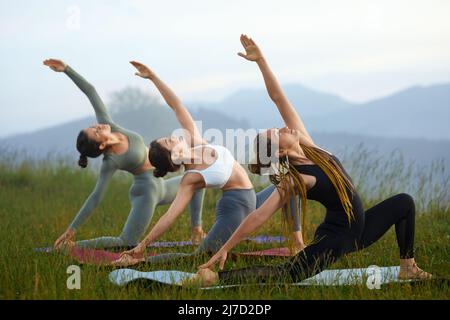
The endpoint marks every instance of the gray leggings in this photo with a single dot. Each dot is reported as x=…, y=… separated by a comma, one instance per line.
x=146, y=193
x=231, y=210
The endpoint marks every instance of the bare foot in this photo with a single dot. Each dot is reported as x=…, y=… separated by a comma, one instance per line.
x=297, y=248
x=413, y=272
x=299, y=245
x=197, y=235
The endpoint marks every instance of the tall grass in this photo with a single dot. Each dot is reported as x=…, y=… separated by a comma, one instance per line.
x=39, y=199
x=377, y=176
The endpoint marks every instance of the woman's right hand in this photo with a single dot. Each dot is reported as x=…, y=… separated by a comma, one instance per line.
x=137, y=251
x=130, y=257
x=143, y=70
x=252, y=51
x=55, y=65
x=220, y=257
x=126, y=260
x=64, y=239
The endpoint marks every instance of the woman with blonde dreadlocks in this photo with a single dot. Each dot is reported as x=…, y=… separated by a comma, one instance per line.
x=313, y=173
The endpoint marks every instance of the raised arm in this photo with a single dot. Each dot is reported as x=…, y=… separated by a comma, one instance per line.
x=181, y=112
x=88, y=89
x=290, y=116
x=250, y=224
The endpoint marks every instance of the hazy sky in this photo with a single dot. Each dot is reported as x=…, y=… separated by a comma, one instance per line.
x=358, y=49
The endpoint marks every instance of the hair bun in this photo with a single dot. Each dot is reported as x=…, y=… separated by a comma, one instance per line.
x=83, y=161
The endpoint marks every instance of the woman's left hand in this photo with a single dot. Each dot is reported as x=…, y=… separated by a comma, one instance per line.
x=55, y=65
x=143, y=70
x=252, y=51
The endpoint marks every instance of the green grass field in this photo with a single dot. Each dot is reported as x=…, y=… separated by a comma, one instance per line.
x=38, y=202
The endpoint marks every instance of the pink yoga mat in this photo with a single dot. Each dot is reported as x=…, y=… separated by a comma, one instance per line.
x=95, y=257
x=103, y=257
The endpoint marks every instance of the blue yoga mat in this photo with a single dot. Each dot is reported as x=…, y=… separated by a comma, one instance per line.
x=336, y=277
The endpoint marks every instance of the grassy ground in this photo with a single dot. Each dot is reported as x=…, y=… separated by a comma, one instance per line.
x=37, y=202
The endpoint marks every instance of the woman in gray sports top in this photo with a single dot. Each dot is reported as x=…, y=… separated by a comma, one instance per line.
x=122, y=149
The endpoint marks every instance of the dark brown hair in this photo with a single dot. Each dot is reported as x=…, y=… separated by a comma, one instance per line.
x=87, y=148
x=161, y=159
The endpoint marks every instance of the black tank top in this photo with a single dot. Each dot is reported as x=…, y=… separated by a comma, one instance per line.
x=324, y=192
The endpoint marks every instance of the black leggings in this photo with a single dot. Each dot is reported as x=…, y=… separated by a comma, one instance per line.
x=332, y=242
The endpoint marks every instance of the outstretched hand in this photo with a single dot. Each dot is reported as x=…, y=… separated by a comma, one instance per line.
x=130, y=257
x=127, y=260
x=65, y=240
x=252, y=51
x=143, y=70
x=220, y=257
x=55, y=65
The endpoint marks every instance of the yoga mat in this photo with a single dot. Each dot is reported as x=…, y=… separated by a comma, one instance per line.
x=258, y=239
x=95, y=257
x=272, y=252
x=44, y=249
x=170, y=244
x=266, y=239
x=103, y=257
x=336, y=277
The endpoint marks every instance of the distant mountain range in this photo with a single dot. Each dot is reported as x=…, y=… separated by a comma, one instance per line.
x=151, y=120
x=256, y=107
x=406, y=120
x=417, y=112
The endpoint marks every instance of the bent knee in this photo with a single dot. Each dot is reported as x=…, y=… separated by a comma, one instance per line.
x=210, y=246
x=407, y=199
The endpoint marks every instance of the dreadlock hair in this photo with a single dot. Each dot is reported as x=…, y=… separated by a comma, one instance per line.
x=289, y=181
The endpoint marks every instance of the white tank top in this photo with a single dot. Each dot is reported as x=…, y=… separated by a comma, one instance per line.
x=218, y=173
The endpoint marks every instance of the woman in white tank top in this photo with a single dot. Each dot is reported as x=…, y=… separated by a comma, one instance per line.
x=206, y=166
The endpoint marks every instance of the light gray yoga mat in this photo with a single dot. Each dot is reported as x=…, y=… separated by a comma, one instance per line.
x=336, y=277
